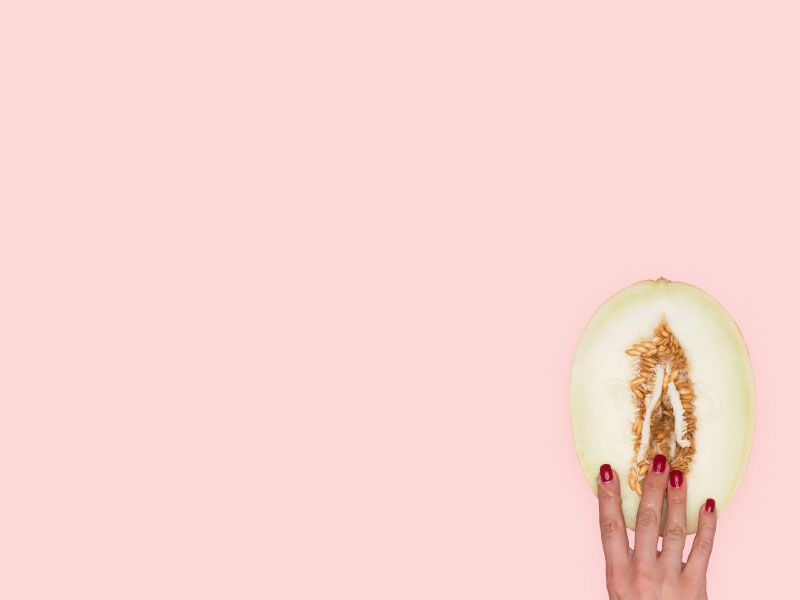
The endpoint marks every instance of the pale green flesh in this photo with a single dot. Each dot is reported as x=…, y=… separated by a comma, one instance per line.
x=601, y=403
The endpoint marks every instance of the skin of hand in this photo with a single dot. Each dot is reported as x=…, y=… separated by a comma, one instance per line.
x=644, y=573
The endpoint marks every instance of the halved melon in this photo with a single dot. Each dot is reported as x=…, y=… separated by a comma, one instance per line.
x=662, y=369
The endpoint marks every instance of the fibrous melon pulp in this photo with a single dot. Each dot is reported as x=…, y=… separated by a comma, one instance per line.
x=662, y=369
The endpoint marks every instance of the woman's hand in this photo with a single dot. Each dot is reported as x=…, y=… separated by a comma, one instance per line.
x=644, y=573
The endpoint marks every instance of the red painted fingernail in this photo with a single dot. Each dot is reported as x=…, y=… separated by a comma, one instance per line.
x=676, y=478
x=710, y=505
x=606, y=474
x=659, y=463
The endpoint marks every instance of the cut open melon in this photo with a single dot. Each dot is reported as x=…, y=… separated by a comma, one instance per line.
x=662, y=369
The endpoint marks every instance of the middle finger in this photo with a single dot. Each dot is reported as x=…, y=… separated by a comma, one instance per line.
x=648, y=518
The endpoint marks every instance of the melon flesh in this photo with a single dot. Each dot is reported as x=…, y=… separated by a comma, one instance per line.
x=603, y=407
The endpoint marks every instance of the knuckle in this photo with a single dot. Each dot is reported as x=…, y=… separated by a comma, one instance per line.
x=608, y=495
x=612, y=574
x=614, y=585
x=609, y=526
x=653, y=485
x=676, y=499
x=674, y=531
x=704, y=545
x=695, y=580
x=644, y=578
x=616, y=580
x=646, y=518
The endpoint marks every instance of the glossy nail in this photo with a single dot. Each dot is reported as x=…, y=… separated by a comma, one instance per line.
x=606, y=474
x=710, y=505
x=676, y=478
x=659, y=463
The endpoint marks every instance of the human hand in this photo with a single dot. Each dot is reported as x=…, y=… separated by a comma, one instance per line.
x=644, y=573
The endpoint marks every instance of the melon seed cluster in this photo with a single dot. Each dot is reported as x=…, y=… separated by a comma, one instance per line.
x=669, y=410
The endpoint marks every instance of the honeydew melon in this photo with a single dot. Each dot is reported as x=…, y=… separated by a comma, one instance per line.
x=662, y=368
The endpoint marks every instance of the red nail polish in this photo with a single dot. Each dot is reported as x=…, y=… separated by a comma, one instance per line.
x=676, y=478
x=659, y=463
x=710, y=505
x=606, y=474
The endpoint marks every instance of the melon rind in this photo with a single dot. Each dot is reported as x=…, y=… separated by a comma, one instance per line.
x=601, y=403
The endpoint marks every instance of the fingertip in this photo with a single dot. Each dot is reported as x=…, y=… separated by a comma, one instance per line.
x=708, y=512
x=707, y=519
x=608, y=486
x=676, y=480
x=659, y=464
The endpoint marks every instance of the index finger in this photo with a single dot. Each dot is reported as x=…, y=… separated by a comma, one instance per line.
x=612, y=523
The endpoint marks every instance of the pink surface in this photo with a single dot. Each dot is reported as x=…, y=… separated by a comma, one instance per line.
x=289, y=294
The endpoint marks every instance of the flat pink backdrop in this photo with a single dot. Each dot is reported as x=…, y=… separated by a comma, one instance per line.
x=290, y=289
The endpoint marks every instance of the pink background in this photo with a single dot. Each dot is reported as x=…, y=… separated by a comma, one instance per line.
x=290, y=290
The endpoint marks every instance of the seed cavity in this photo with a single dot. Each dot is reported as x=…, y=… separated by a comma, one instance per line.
x=663, y=395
